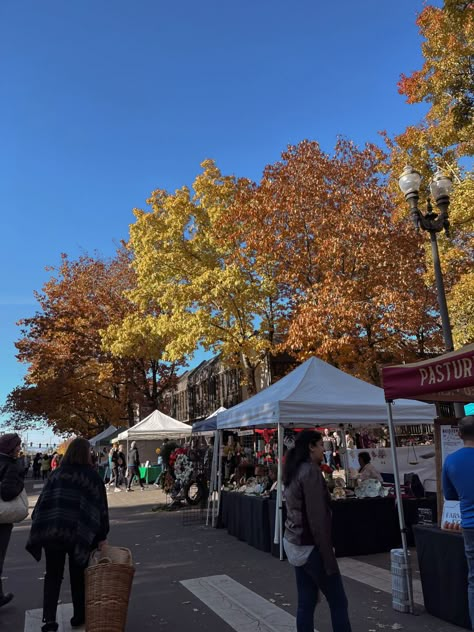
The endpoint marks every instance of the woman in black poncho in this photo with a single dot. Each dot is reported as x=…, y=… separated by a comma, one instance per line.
x=70, y=518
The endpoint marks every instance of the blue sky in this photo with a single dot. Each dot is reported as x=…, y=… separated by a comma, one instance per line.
x=102, y=102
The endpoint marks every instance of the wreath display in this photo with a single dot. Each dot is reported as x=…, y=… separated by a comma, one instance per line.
x=183, y=469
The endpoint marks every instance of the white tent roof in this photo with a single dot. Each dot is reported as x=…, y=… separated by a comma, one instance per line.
x=216, y=412
x=108, y=432
x=317, y=393
x=156, y=426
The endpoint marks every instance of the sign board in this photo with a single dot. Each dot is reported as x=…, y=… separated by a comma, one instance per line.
x=469, y=409
x=425, y=516
x=451, y=520
x=450, y=441
x=245, y=433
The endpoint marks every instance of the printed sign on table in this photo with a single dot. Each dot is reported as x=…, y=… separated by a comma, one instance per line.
x=451, y=520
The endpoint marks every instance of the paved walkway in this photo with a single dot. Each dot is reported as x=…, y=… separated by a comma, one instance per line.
x=181, y=565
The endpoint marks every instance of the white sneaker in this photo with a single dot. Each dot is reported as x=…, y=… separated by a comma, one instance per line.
x=117, y=489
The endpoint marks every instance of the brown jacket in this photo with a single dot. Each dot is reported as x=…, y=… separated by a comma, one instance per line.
x=309, y=513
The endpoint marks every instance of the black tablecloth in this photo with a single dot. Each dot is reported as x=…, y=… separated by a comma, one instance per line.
x=410, y=509
x=360, y=527
x=443, y=570
x=365, y=526
x=246, y=517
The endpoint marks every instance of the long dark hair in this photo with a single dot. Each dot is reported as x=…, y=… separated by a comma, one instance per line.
x=77, y=453
x=299, y=454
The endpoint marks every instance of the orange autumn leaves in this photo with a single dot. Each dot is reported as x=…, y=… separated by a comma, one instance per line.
x=353, y=278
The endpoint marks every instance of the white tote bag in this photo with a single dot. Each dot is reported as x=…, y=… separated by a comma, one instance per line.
x=14, y=510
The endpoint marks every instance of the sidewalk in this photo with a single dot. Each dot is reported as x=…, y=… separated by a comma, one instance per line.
x=176, y=564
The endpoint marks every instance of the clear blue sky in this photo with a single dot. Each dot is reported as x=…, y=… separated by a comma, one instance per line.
x=101, y=102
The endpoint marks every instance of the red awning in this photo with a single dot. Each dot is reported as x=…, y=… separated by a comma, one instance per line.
x=446, y=378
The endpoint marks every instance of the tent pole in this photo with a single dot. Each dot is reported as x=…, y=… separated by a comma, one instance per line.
x=278, y=539
x=219, y=475
x=401, y=515
x=212, y=481
x=346, y=456
x=276, y=533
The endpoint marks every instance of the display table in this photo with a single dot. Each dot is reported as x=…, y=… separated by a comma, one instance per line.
x=365, y=526
x=246, y=518
x=150, y=474
x=360, y=527
x=443, y=570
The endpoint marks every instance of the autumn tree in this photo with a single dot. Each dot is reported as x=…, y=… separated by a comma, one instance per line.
x=352, y=278
x=195, y=280
x=445, y=137
x=72, y=382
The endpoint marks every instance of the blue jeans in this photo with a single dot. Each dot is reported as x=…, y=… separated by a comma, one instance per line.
x=469, y=549
x=310, y=579
x=329, y=458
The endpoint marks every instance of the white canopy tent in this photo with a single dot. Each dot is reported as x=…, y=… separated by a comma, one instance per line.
x=156, y=426
x=102, y=436
x=317, y=393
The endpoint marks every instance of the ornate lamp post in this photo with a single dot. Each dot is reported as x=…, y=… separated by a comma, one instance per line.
x=441, y=186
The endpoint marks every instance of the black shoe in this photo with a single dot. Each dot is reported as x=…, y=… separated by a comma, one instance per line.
x=6, y=598
x=50, y=626
x=76, y=622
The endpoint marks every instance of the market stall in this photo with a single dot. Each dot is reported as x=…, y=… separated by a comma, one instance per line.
x=317, y=394
x=156, y=427
x=446, y=378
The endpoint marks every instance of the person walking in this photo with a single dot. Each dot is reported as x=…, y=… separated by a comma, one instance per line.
x=37, y=466
x=54, y=461
x=133, y=466
x=114, y=466
x=307, y=541
x=329, y=448
x=11, y=485
x=71, y=519
x=458, y=484
x=45, y=466
x=122, y=466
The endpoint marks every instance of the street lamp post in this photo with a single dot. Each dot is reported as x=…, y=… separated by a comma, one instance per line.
x=441, y=186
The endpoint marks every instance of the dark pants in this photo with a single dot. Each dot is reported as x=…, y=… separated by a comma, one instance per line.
x=469, y=549
x=55, y=559
x=132, y=472
x=123, y=475
x=310, y=579
x=5, y=533
x=115, y=480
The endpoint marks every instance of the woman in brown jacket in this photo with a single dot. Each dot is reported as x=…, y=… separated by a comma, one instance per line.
x=307, y=541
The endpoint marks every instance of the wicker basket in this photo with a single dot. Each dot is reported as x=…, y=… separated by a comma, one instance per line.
x=109, y=579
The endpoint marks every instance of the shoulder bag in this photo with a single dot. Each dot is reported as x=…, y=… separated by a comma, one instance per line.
x=14, y=510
